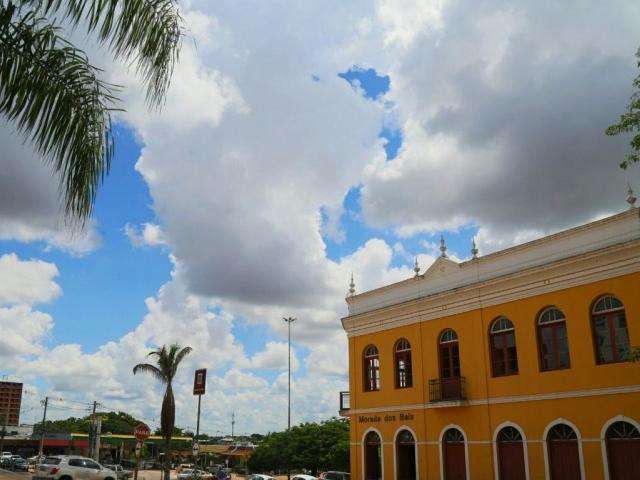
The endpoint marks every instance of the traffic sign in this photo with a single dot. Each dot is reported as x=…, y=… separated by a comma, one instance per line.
x=141, y=432
x=200, y=381
x=196, y=449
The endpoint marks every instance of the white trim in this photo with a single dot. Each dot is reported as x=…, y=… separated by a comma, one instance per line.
x=496, y=467
x=603, y=439
x=364, y=435
x=545, y=447
x=595, y=392
x=395, y=451
x=466, y=449
x=609, y=262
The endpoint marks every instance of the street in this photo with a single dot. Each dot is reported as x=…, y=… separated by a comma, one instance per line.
x=9, y=475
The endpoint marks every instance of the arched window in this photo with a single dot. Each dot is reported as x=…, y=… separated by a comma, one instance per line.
x=553, y=343
x=373, y=456
x=610, y=335
x=405, y=456
x=511, y=461
x=563, y=453
x=502, y=340
x=623, y=451
x=371, y=369
x=449, y=354
x=404, y=378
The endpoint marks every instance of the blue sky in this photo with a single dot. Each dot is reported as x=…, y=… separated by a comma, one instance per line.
x=402, y=122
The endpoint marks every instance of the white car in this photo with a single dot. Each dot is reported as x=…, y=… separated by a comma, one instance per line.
x=259, y=476
x=302, y=476
x=71, y=467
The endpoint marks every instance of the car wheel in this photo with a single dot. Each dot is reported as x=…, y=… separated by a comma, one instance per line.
x=65, y=477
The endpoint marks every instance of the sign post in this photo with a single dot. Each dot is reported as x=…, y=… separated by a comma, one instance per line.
x=141, y=432
x=199, y=387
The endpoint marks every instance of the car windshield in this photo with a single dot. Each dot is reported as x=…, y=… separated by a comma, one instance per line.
x=51, y=461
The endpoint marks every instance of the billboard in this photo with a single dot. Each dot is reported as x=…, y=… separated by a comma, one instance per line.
x=200, y=381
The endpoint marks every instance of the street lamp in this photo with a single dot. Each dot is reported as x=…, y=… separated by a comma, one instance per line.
x=289, y=321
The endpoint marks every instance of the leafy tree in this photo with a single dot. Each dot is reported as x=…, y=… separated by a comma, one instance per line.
x=630, y=122
x=310, y=446
x=56, y=97
x=167, y=362
x=112, y=422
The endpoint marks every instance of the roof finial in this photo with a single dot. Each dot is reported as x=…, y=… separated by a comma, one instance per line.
x=631, y=199
x=474, y=247
x=416, y=267
x=352, y=287
x=443, y=247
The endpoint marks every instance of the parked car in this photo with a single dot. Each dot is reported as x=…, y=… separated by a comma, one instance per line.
x=302, y=476
x=334, y=475
x=19, y=465
x=71, y=467
x=260, y=476
x=121, y=472
x=5, y=459
x=184, y=466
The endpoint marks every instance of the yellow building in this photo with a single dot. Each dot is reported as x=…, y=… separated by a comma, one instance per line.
x=512, y=365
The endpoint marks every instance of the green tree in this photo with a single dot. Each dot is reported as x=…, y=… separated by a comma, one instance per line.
x=56, y=97
x=311, y=446
x=167, y=362
x=629, y=122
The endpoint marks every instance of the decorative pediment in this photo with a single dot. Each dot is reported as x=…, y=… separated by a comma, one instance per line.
x=442, y=266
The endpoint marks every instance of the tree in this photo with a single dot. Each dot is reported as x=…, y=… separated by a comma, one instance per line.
x=167, y=362
x=55, y=96
x=630, y=122
x=310, y=446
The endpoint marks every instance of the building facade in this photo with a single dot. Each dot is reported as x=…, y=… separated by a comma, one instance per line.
x=513, y=365
x=10, y=403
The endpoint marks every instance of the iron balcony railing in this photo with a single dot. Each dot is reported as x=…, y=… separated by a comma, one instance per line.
x=345, y=401
x=447, y=389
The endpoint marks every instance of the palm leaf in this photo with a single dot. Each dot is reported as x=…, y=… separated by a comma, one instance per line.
x=151, y=369
x=53, y=94
x=148, y=31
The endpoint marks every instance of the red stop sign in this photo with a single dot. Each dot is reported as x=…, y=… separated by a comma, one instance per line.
x=141, y=432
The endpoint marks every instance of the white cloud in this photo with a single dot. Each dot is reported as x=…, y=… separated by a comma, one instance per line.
x=23, y=330
x=27, y=281
x=149, y=234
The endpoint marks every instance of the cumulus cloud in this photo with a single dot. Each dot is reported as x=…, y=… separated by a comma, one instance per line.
x=506, y=103
x=148, y=234
x=27, y=281
x=23, y=331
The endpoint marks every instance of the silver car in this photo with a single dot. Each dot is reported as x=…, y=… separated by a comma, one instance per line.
x=71, y=467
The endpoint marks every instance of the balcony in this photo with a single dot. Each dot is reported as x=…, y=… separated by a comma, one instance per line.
x=345, y=403
x=447, y=392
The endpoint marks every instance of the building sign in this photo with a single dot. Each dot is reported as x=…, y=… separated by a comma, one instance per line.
x=200, y=381
x=390, y=417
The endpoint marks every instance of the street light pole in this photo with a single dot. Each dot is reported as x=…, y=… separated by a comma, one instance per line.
x=289, y=321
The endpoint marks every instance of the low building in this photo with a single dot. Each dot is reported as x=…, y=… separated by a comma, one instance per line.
x=513, y=365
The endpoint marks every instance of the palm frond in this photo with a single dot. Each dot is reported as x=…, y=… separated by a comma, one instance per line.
x=179, y=357
x=147, y=31
x=151, y=369
x=53, y=94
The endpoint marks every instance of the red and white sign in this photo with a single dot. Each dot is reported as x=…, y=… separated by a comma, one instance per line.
x=141, y=432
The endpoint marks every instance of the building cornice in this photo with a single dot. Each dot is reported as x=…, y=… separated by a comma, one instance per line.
x=588, y=267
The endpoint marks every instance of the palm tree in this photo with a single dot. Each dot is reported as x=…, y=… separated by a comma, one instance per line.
x=167, y=361
x=55, y=97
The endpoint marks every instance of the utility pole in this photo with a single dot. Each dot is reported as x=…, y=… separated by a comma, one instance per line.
x=44, y=419
x=233, y=423
x=92, y=430
x=289, y=321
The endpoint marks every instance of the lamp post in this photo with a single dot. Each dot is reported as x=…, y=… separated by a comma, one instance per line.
x=289, y=321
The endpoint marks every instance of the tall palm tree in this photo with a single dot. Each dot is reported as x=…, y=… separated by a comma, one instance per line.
x=55, y=97
x=167, y=361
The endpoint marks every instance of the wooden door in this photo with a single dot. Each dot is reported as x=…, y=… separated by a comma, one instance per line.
x=564, y=459
x=511, y=460
x=455, y=467
x=373, y=467
x=624, y=458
